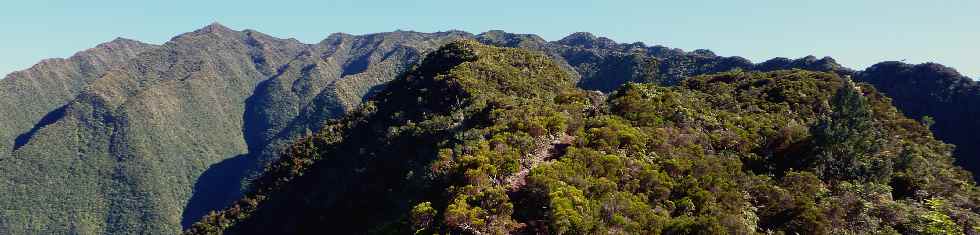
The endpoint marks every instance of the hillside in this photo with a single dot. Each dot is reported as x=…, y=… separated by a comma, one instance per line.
x=45, y=87
x=129, y=137
x=480, y=139
x=951, y=100
x=605, y=65
x=180, y=125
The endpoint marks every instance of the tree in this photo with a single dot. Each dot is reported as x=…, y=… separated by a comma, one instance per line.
x=845, y=143
x=422, y=216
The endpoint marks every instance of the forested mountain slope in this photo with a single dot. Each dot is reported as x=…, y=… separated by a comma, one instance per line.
x=951, y=100
x=605, y=65
x=182, y=124
x=480, y=139
x=129, y=137
x=28, y=95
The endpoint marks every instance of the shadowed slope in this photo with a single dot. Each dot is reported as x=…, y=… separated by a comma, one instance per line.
x=28, y=95
x=148, y=131
x=130, y=148
x=485, y=140
x=950, y=99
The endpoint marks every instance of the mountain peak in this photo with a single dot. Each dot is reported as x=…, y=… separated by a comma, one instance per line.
x=579, y=36
x=587, y=40
x=334, y=38
x=214, y=27
x=704, y=52
x=809, y=59
x=122, y=39
x=502, y=38
x=119, y=42
x=899, y=67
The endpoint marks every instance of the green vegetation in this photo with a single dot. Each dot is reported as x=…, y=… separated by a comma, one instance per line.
x=151, y=138
x=847, y=140
x=135, y=138
x=938, y=95
x=485, y=140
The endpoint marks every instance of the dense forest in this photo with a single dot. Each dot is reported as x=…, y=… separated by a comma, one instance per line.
x=478, y=139
x=130, y=137
x=950, y=101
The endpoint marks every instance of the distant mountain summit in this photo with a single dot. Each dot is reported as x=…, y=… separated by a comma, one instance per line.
x=129, y=137
x=479, y=139
x=171, y=132
x=587, y=40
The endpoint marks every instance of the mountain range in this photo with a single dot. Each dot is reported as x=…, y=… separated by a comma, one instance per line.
x=129, y=137
x=479, y=139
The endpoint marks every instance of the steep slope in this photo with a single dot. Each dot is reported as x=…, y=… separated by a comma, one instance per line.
x=486, y=140
x=367, y=180
x=303, y=95
x=130, y=137
x=27, y=96
x=950, y=99
x=192, y=117
x=116, y=161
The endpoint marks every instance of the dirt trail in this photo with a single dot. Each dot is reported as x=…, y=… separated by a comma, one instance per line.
x=548, y=149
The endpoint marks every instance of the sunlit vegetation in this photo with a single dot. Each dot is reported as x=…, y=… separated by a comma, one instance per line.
x=135, y=138
x=938, y=95
x=485, y=140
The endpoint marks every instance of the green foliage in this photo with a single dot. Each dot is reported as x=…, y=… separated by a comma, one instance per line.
x=131, y=138
x=484, y=140
x=940, y=93
x=847, y=140
x=935, y=220
x=476, y=139
x=422, y=216
x=928, y=121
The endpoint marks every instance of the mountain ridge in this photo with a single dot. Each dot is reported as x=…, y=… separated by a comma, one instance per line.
x=479, y=139
x=201, y=78
x=171, y=132
x=53, y=82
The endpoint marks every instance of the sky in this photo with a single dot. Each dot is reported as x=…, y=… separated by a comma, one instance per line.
x=858, y=33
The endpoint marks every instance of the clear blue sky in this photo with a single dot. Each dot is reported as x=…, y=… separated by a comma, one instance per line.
x=857, y=33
